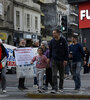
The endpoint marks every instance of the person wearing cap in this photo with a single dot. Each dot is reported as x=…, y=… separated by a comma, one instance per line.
x=59, y=56
x=77, y=53
x=3, y=54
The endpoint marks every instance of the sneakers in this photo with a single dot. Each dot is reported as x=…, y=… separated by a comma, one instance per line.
x=40, y=91
x=35, y=86
x=61, y=90
x=53, y=91
x=78, y=89
x=4, y=91
x=45, y=88
x=25, y=88
x=22, y=88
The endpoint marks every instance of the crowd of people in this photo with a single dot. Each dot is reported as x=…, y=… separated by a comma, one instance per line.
x=53, y=57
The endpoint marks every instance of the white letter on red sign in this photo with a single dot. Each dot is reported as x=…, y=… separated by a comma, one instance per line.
x=82, y=14
x=87, y=14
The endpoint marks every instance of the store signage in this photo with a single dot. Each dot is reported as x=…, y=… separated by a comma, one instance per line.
x=84, y=15
x=3, y=36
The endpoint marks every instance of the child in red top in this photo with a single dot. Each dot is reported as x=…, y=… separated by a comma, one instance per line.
x=41, y=62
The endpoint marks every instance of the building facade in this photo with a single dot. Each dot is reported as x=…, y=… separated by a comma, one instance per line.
x=53, y=10
x=27, y=18
x=84, y=32
x=6, y=21
x=72, y=18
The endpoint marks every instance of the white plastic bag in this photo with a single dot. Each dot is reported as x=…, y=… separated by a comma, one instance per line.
x=25, y=71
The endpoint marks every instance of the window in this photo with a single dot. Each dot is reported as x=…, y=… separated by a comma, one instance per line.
x=8, y=14
x=17, y=18
x=28, y=20
x=36, y=22
x=31, y=20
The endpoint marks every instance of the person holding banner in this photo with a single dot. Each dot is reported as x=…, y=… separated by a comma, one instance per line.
x=3, y=60
x=22, y=79
x=41, y=62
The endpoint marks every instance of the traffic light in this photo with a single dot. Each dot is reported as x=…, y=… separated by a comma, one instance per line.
x=64, y=23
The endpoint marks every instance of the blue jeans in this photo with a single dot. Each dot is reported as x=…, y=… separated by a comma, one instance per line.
x=67, y=69
x=76, y=68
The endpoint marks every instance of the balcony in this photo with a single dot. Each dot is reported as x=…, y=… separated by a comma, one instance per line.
x=42, y=26
x=73, y=23
x=74, y=13
x=38, y=1
x=42, y=14
x=77, y=1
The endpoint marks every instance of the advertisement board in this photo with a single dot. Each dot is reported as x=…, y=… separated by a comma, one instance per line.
x=84, y=15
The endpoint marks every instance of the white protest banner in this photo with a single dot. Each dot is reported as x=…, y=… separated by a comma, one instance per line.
x=23, y=58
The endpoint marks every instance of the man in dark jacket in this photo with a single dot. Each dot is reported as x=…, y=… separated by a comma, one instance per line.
x=59, y=55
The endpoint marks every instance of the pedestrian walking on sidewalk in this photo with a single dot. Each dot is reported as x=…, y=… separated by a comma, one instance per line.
x=41, y=62
x=77, y=54
x=3, y=54
x=59, y=56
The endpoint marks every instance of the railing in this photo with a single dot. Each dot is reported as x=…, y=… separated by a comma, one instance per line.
x=74, y=23
x=76, y=1
x=38, y=1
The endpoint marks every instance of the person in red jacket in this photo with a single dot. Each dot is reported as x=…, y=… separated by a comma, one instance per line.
x=3, y=54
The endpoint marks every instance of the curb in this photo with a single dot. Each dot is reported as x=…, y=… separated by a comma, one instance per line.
x=45, y=96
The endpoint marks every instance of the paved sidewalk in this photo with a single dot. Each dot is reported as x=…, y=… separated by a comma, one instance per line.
x=68, y=91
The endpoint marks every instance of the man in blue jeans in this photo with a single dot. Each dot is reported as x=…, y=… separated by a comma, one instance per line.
x=76, y=53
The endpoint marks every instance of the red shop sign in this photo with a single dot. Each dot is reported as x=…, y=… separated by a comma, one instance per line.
x=84, y=15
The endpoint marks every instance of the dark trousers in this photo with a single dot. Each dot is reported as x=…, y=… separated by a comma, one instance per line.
x=86, y=69
x=35, y=81
x=48, y=76
x=21, y=82
x=57, y=66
